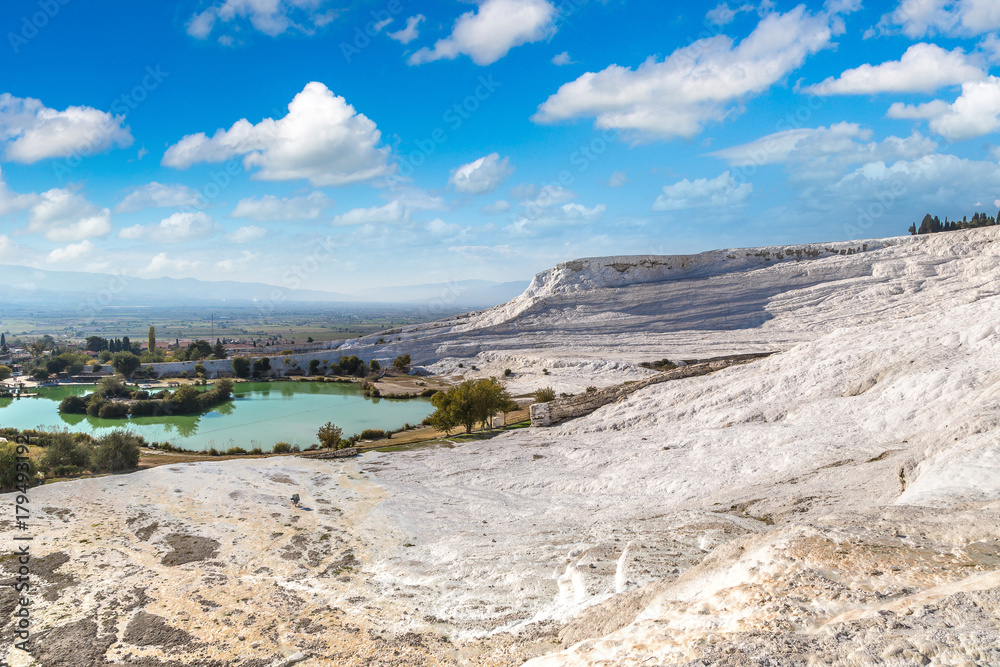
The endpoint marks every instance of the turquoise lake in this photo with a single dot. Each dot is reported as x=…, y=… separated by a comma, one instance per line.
x=261, y=414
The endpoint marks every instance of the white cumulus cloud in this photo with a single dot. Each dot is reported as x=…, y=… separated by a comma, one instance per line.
x=64, y=215
x=482, y=175
x=158, y=195
x=322, y=139
x=185, y=226
x=247, y=234
x=410, y=32
x=489, y=33
x=923, y=69
x=918, y=18
x=271, y=17
x=824, y=152
x=696, y=84
x=71, y=252
x=975, y=113
x=30, y=131
x=270, y=208
x=388, y=214
x=722, y=190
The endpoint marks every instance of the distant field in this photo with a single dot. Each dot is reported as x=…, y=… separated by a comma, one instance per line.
x=322, y=323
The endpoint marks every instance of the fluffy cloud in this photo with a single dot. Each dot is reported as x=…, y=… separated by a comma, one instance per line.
x=158, y=195
x=824, y=152
x=499, y=206
x=918, y=18
x=722, y=190
x=975, y=113
x=8, y=248
x=923, y=69
x=30, y=131
x=322, y=139
x=696, y=84
x=388, y=214
x=410, y=32
x=562, y=59
x=271, y=17
x=723, y=15
x=11, y=201
x=64, y=216
x=71, y=252
x=186, y=226
x=573, y=214
x=247, y=234
x=482, y=175
x=486, y=35
x=934, y=182
x=617, y=179
x=161, y=265
x=269, y=208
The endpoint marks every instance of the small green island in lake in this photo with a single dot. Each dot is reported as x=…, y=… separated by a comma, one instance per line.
x=114, y=400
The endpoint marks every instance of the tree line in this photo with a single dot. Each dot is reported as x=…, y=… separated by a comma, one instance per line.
x=932, y=224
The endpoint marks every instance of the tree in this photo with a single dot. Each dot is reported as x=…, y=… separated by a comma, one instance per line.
x=96, y=343
x=444, y=418
x=151, y=338
x=313, y=366
x=3, y=342
x=470, y=403
x=261, y=366
x=241, y=367
x=926, y=224
x=219, y=350
x=224, y=389
x=186, y=397
x=5, y=372
x=374, y=366
x=125, y=363
x=402, y=361
x=913, y=229
x=329, y=435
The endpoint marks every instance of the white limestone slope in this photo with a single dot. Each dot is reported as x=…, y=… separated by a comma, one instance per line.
x=851, y=480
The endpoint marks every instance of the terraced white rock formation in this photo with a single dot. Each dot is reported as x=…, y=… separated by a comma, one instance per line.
x=837, y=503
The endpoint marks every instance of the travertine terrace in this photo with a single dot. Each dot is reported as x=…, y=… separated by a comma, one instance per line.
x=837, y=503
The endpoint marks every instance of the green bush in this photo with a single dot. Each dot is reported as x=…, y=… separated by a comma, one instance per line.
x=282, y=448
x=73, y=405
x=371, y=434
x=235, y=451
x=62, y=451
x=506, y=372
x=10, y=476
x=545, y=395
x=116, y=451
x=427, y=393
x=113, y=410
x=95, y=404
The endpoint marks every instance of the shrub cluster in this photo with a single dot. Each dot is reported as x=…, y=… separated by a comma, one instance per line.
x=114, y=400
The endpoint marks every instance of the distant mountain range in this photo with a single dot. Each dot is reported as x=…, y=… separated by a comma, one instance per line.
x=21, y=285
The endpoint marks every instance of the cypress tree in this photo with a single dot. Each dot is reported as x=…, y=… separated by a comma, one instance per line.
x=3, y=341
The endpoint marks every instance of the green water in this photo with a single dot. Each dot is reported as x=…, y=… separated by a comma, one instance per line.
x=261, y=414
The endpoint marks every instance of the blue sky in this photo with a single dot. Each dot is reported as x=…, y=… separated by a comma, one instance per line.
x=391, y=142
